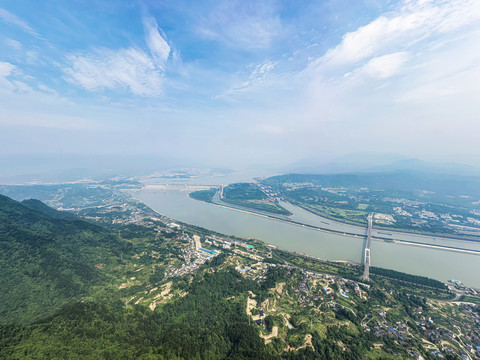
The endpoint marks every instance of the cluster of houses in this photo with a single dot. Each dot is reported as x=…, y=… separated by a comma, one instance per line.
x=225, y=243
x=383, y=328
x=194, y=257
x=255, y=271
x=472, y=338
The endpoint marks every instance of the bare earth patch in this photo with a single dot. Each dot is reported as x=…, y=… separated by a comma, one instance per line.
x=268, y=338
x=250, y=305
x=308, y=342
x=279, y=288
x=138, y=301
x=165, y=295
x=167, y=288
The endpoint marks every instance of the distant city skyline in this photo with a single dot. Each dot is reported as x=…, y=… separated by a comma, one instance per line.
x=240, y=83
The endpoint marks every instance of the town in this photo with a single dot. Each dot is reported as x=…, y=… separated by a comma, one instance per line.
x=299, y=300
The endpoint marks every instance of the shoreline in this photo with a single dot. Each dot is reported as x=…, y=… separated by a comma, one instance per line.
x=317, y=228
x=438, y=247
x=454, y=252
x=393, y=230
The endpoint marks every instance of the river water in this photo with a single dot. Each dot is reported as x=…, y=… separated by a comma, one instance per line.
x=174, y=202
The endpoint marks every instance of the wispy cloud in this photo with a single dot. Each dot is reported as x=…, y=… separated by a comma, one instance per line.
x=18, y=89
x=158, y=46
x=405, y=36
x=12, y=19
x=242, y=24
x=386, y=65
x=414, y=21
x=130, y=69
x=17, y=45
x=6, y=70
x=318, y=76
x=258, y=75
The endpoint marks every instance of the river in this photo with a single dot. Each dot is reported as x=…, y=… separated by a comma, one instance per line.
x=174, y=202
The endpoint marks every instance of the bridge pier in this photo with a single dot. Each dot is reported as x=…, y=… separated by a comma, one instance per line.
x=366, y=255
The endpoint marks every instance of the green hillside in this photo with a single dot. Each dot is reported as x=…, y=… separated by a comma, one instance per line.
x=201, y=325
x=73, y=290
x=37, y=205
x=47, y=261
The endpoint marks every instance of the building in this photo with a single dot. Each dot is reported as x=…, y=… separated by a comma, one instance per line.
x=211, y=252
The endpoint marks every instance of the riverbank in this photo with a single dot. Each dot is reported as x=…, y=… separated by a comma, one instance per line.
x=445, y=248
x=390, y=229
x=327, y=230
x=175, y=203
x=273, y=217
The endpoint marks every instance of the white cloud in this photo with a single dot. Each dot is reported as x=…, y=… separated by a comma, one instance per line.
x=13, y=44
x=102, y=69
x=397, y=78
x=6, y=68
x=414, y=21
x=158, y=46
x=239, y=24
x=262, y=69
x=18, y=89
x=452, y=71
x=385, y=66
x=258, y=76
x=12, y=19
x=130, y=69
x=413, y=33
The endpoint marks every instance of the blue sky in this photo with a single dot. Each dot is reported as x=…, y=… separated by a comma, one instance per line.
x=240, y=82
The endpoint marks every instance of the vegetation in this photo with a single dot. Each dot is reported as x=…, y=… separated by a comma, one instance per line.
x=47, y=261
x=404, y=201
x=204, y=195
x=249, y=195
x=74, y=289
x=243, y=191
x=415, y=279
x=471, y=299
x=201, y=325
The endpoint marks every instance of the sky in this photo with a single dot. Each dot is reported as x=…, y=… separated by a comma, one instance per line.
x=240, y=83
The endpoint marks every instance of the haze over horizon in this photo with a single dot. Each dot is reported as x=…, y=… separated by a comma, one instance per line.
x=240, y=83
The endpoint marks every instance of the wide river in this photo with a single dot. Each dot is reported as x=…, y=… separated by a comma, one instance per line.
x=174, y=202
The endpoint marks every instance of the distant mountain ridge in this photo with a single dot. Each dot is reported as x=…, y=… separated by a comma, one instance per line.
x=345, y=164
x=371, y=162
x=420, y=166
x=450, y=185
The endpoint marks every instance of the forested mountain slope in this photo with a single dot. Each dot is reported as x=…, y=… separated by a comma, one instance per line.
x=47, y=261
